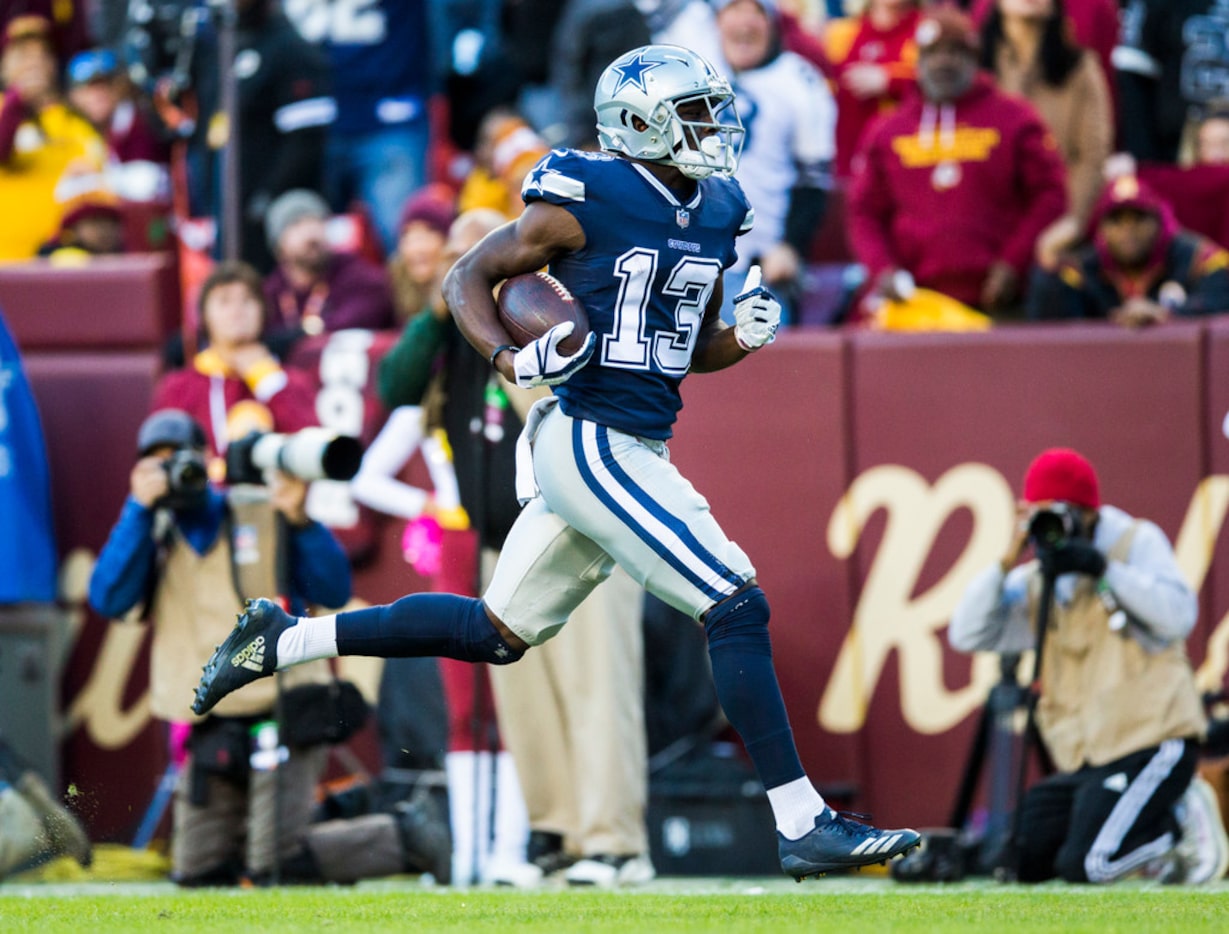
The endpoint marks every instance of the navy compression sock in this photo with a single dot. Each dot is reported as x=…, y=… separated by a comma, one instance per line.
x=741, y=653
x=424, y=624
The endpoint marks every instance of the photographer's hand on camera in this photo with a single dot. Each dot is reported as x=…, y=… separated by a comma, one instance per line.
x=248, y=359
x=1019, y=538
x=1073, y=556
x=148, y=481
x=289, y=497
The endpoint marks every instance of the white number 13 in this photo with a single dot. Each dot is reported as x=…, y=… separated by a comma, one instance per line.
x=627, y=345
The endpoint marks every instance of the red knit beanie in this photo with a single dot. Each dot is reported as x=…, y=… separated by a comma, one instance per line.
x=1062, y=474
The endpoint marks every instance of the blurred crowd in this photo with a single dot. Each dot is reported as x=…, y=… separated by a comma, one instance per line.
x=873, y=125
x=912, y=165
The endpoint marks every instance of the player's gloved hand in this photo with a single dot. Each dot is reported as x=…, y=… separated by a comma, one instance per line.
x=543, y=364
x=1073, y=556
x=757, y=314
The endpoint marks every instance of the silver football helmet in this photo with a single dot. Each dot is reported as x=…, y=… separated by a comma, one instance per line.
x=638, y=99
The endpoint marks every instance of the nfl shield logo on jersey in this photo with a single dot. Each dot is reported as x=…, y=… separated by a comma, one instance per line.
x=682, y=217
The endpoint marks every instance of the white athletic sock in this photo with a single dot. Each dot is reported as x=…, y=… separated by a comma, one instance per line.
x=795, y=805
x=313, y=637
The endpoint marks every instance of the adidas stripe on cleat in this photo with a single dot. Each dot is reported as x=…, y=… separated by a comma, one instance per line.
x=838, y=843
x=248, y=653
x=252, y=655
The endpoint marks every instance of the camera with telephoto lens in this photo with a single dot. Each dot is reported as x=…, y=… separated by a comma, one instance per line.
x=1050, y=527
x=309, y=454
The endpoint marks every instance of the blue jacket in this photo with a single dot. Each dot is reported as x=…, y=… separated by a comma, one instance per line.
x=319, y=569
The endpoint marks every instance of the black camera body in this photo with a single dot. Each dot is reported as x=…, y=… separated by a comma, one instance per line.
x=308, y=454
x=187, y=477
x=1054, y=525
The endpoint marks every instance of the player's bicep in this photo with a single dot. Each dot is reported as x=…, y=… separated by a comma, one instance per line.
x=541, y=234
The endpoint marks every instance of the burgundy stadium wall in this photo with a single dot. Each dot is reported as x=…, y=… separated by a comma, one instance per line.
x=868, y=476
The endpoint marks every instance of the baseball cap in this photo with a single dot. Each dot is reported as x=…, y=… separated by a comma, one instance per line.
x=1063, y=475
x=290, y=207
x=768, y=6
x=431, y=206
x=169, y=428
x=27, y=26
x=92, y=65
x=946, y=24
x=92, y=204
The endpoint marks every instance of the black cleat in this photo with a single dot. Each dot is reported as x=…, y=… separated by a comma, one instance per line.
x=248, y=653
x=838, y=843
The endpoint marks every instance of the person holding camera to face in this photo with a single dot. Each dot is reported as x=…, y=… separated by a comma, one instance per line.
x=1118, y=710
x=189, y=553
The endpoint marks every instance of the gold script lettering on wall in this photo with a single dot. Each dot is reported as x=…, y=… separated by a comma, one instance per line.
x=888, y=616
x=1194, y=547
x=98, y=705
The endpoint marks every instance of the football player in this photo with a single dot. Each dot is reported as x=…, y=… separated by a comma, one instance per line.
x=640, y=232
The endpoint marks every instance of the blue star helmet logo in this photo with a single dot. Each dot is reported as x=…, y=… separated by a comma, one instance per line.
x=632, y=71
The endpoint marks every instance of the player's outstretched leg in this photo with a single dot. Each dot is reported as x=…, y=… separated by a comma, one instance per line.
x=812, y=838
x=837, y=843
x=421, y=624
x=248, y=653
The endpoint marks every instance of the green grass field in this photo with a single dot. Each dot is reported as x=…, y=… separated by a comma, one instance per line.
x=730, y=906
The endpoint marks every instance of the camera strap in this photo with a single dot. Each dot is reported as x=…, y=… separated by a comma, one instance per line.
x=255, y=536
x=163, y=529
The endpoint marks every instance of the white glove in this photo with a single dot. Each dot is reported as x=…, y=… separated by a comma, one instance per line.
x=541, y=363
x=757, y=314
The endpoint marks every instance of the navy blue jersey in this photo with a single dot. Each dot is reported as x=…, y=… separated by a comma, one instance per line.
x=380, y=54
x=644, y=276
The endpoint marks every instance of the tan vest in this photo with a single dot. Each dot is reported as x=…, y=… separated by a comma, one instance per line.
x=195, y=606
x=1103, y=695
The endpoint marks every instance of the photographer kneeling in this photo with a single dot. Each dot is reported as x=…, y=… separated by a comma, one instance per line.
x=1118, y=710
x=189, y=554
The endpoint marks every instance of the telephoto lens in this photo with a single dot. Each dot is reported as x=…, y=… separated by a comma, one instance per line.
x=1051, y=527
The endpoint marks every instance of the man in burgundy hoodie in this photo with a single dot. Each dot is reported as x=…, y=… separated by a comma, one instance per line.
x=953, y=188
x=314, y=289
x=1140, y=268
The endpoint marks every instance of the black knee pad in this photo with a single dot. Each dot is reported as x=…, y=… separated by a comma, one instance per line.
x=740, y=620
x=480, y=641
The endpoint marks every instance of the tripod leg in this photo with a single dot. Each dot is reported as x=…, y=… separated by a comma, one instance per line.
x=972, y=770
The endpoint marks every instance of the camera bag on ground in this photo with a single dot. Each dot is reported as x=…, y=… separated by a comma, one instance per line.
x=318, y=714
x=414, y=838
x=220, y=746
x=945, y=855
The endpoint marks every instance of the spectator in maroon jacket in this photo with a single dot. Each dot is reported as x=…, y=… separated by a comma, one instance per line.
x=99, y=90
x=137, y=152
x=1141, y=268
x=958, y=182
x=873, y=67
x=312, y=289
x=235, y=385
x=93, y=225
x=68, y=22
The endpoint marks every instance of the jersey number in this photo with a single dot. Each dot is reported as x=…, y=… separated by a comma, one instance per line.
x=344, y=22
x=630, y=345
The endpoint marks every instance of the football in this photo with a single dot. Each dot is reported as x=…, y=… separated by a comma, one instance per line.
x=533, y=303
